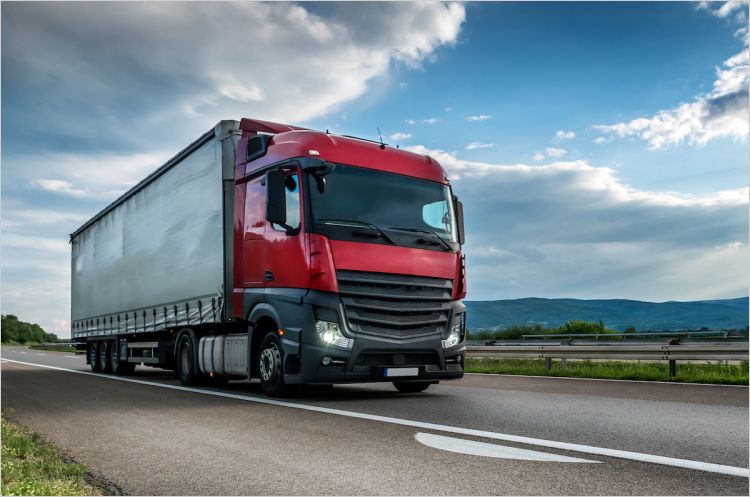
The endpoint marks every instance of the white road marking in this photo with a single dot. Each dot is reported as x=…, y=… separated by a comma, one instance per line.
x=72, y=356
x=23, y=351
x=572, y=447
x=40, y=354
x=474, y=448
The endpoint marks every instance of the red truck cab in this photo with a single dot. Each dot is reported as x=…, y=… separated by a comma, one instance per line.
x=352, y=249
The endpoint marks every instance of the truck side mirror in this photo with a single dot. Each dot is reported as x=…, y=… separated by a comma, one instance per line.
x=276, y=197
x=459, y=220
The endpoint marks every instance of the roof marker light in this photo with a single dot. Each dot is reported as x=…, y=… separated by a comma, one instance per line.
x=313, y=152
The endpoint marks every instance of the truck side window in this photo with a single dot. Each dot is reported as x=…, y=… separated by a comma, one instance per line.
x=255, y=202
x=292, y=202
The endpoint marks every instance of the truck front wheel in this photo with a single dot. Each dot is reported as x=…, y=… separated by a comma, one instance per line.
x=270, y=366
x=93, y=355
x=186, y=361
x=411, y=386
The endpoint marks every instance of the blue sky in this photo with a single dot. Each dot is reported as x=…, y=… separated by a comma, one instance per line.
x=600, y=148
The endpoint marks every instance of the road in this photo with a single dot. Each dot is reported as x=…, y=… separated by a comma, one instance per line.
x=489, y=434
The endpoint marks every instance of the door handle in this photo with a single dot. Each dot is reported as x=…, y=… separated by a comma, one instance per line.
x=268, y=275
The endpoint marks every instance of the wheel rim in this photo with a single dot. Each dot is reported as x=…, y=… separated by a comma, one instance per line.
x=270, y=363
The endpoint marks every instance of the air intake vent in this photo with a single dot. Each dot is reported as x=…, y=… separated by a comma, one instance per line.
x=394, y=305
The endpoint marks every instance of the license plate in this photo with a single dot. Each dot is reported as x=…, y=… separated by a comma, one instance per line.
x=390, y=372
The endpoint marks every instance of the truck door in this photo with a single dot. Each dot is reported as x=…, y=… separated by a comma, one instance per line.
x=285, y=263
x=253, y=250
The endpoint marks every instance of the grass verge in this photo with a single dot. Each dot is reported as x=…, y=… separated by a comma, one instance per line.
x=52, y=349
x=31, y=466
x=730, y=374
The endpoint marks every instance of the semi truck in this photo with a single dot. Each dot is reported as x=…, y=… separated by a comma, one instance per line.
x=273, y=252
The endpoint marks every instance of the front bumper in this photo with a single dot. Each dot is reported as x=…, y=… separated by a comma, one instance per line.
x=371, y=358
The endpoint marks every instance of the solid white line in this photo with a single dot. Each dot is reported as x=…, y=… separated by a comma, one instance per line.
x=587, y=449
x=474, y=448
x=40, y=354
x=609, y=379
x=72, y=356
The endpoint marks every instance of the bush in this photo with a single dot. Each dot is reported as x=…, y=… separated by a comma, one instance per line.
x=17, y=331
x=515, y=332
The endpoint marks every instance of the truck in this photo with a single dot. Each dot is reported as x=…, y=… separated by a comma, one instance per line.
x=274, y=252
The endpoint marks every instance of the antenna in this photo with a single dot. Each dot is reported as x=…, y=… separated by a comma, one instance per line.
x=382, y=145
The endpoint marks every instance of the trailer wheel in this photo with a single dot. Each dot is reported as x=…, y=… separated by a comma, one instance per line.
x=93, y=355
x=105, y=366
x=185, y=359
x=411, y=386
x=118, y=366
x=270, y=361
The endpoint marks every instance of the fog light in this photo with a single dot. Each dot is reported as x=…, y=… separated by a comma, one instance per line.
x=454, y=338
x=326, y=361
x=330, y=334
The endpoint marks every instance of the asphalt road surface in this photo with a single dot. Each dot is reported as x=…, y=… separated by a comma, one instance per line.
x=492, y=434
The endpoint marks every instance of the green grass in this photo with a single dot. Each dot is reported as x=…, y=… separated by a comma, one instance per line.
x=732, y=374
x=68, y=349
x=31, y=466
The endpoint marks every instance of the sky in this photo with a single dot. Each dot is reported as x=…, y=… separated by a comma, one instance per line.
x=600, y=149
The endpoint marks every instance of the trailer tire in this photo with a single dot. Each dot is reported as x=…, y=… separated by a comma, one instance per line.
x=270, y=366
x=411, y=386
x=185, y=361
x=92, y=350
x=105, y=365
x=119, y=367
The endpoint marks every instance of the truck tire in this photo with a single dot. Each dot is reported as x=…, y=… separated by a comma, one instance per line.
x=411, y=386
x=105, y=366
x=270, y=366
x=185, y=361
x=92, y=350
x=118, y=366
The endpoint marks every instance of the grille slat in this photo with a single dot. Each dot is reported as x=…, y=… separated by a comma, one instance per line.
x=394, y=305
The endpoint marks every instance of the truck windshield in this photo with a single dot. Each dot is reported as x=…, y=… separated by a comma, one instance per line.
x=389, y=205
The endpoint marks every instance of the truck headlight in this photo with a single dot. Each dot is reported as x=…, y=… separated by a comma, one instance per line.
x=330, y=334
x=454, y=338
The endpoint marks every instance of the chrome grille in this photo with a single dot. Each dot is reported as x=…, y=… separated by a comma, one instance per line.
x=395, y=305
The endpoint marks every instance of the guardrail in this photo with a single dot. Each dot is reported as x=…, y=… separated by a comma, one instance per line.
x=730, y=351
x=636, y=335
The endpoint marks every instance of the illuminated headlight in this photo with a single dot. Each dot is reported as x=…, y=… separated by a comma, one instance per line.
x=454, y=338
x=330, y=334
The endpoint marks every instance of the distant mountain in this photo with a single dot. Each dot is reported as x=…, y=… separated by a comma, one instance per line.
x=616, y=314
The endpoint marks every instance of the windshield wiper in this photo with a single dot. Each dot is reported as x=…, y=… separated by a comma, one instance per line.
x=362, y=224
x=431, y=232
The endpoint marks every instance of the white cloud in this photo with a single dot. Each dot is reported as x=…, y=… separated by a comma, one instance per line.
x=410, y=121
x=561, y=135
x=599, y=140
x=61, y=186
x=725, y=9
x=403, y=85
x=431, y=120
x=400, y=136
x=148, y=66
x=573, y=229
x=539, y=156
x=448, y=109
x=723, y=112
x=478, y=118
x=476, y=145
x=555, y=152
